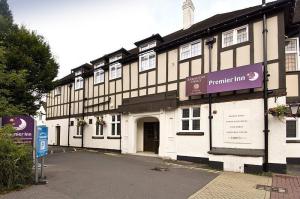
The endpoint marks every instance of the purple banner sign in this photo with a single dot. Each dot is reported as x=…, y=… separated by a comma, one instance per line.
x=24, y=126
x=243, y=77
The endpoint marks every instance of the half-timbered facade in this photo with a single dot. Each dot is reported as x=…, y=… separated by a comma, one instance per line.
x=135, y=100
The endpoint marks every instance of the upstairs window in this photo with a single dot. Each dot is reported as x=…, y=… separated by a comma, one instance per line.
x=98, y=76
x=147, y=61
x=115, y=71
x=190, y=50
x=235, y=36
x=57, y=91
x=190, y=119
x=78, y=83
x=116, y=125
x=292, y=54
x=148, y=46
x=77, y=73
x=115, y=58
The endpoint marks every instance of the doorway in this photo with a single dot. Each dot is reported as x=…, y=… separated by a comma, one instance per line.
x=58, y=135
x=151, y=137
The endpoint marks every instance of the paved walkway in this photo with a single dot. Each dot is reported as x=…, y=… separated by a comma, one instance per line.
x=230, y=185
x=290, y=183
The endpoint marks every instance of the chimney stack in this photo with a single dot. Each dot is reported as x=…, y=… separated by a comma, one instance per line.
x=188, y=13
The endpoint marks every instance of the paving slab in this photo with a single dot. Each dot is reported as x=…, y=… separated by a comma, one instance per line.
x=231, y=185
x=291, y=185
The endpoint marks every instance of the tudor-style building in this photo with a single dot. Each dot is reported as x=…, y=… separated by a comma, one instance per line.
x=136, y=100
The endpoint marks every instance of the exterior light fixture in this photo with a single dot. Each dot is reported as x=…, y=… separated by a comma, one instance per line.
x=294, y=109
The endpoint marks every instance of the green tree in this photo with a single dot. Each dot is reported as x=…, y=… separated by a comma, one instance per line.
x=29, y=55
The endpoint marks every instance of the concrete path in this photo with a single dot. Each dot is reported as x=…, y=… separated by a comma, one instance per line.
x=234, y=186
x=94, y=175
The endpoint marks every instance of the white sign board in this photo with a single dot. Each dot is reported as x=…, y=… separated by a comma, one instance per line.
x=236, y=125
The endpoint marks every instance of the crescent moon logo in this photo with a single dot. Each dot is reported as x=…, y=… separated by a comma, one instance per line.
x=22, y=126
x=252, y=76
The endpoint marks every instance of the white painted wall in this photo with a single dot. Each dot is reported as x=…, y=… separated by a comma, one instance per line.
x=293, y=149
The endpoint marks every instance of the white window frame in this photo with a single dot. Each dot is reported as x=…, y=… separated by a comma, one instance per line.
x=101, y=76
x=98, y=65
x=115, y=58
x=189, y=46
x=100, y=128
x=297, y=128
x=297, y=51
x=147, y=54
x=80, y=86
x=235, y=30
x=116, y=122
x=190, y=119
x=57, y=91
x=147, y=46
x=115, y=75
x=79, y=130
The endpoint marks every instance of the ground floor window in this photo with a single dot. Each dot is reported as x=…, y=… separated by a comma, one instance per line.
x=291, y=128
x=79, y=129
x=190, y=119
x=116, y=125
x=99, y=126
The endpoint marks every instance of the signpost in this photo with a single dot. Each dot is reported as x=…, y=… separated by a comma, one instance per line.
x=243, y=77
x=41, y=146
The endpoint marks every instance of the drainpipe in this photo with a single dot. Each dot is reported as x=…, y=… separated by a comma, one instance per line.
x=210, y=42
x=70, y=90
x=266, y=77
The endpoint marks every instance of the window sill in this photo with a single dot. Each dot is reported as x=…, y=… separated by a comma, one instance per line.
x=293, y=141
x=96, y=84
x=115, y=79
x=235, y=46
x=190, y=133
x=148, y=70
x=78, y=89
x=190, y=59
x=98, y=137
x=77, y=136
x=113, y=137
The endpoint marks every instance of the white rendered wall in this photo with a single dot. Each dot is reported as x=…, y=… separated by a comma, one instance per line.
x=293, y=149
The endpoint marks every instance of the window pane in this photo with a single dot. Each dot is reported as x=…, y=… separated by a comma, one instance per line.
x=118, y=129
x=291, y=45
x=113, y=73
x=113, y=129
x=185, y=52
x=101, y=129
x=196, y=49
x=241, y=35
x=291, y=61
x=196, y=124
x=144, y=63
x=228, y=38
x=97, y=129
x=119, y=72
x=185, y=124
x=119, y=117
x=196, y=112
x=113, y=118
x=185, y=113
x=152, y=61
x=291, y=129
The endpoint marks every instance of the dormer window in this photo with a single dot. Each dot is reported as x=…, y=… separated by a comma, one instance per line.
x=99, y=65
x=115, y=58
x=98, y=76
x=57, y=91
x=235, y=36
x=78, y=83
x=147, y=46
x=147, y=61
x=115, y=71
x=190, y=50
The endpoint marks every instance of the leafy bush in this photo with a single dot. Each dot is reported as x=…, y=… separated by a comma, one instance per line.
x=15, y=161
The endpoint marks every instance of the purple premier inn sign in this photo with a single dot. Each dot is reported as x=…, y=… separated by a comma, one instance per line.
x=24, y=126
x=243, y=77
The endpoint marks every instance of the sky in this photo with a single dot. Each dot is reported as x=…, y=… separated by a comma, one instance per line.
x=79, y=31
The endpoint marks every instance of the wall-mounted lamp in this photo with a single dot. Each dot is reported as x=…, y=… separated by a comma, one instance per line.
x=294, y=109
